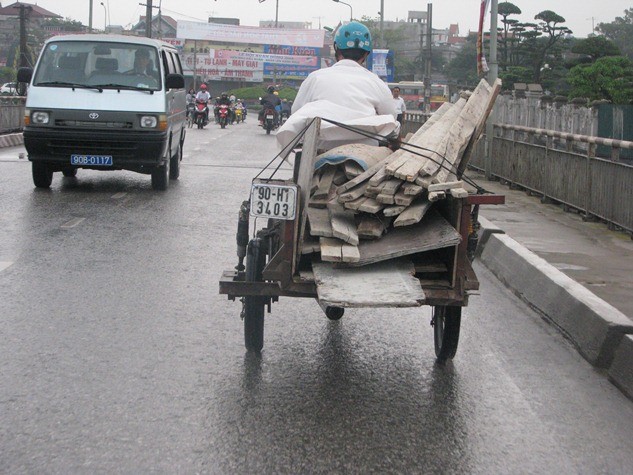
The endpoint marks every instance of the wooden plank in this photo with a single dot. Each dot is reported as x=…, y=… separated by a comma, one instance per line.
x=310, y=245
x=395, y=164
x=331, y=250
x=339, y=177
x=372, y=227
x=386, y=199
x=391, y=187
x=433, y=232
x=320, y=224
x=350, y=253
x=465, y=126
x=386, y=284
x=325, y=182
x=335, y=250
x=352, y=194
x=370, y=205
x=496, y=89
x=459, y=193
x=304, y=179
x=412, y=189
x=437, y=195
x=395, y=210
x=365, y=175
x=413, y=214
x=445, y=186
x=343, y=224
x=380, y=176
x=403, y=200
x=352, y=169
x=355, y=204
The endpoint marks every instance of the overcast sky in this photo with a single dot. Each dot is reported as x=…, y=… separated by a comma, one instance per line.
x=580, y=15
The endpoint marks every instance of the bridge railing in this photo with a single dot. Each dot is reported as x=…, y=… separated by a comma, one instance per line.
x=549, y=163
x=11, y=113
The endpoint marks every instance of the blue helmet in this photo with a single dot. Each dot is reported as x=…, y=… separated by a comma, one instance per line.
x=353, y=35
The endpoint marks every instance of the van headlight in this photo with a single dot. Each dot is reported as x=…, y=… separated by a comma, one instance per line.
x=40, y=118
x=149, y=122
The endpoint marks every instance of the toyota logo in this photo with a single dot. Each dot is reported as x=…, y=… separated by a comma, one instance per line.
x=93, y=115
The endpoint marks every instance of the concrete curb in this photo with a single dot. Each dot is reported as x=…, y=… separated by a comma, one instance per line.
x=594, y=326
x=11, y=140
x=621, y=371
x=485, y=231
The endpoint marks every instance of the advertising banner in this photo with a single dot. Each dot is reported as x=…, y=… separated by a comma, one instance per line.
x=225, y=69
x=380, y=62
x=249, y=34
x=239, y=57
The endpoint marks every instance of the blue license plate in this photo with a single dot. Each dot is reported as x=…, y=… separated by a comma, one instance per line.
x=91, y=160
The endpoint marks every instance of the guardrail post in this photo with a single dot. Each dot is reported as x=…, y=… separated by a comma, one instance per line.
x=591, y=154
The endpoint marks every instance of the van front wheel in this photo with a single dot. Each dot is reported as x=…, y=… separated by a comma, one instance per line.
x=42, y=175
x=160, y=177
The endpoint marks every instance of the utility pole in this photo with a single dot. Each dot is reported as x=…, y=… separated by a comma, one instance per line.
x=382, y=23
x=427, y=63
x=23, y=17
x=493, y=74
x=148, y=17
x=90, y=17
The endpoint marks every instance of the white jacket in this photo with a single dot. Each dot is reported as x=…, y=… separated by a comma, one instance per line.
x=345, y=92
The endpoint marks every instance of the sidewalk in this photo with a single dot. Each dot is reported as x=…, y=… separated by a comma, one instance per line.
x=578, y=274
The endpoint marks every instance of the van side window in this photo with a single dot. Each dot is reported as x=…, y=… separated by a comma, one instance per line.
x=177, y=63
x=167, y=63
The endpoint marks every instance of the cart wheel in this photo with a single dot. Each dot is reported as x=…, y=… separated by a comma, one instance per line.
x=446, y=321
x=334, y=313
x=253, y=306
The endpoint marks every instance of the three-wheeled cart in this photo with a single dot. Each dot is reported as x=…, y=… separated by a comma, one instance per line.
x=277, y=264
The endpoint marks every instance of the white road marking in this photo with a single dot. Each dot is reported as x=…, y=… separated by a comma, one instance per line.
x=4, y=265
x=118, y=196
x=72, y=223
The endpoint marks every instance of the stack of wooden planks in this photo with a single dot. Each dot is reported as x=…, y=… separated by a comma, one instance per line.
x=375, y=197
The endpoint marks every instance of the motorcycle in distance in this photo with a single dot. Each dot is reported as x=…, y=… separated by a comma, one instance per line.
x=191, y=109
x=223, y=115
x=202, y=109
x=239, y=115
x=270, y=121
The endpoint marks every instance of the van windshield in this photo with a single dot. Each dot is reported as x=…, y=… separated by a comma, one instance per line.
x=98, y=65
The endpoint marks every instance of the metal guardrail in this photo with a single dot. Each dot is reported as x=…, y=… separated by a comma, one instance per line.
x=597, y=187
x=11, y=113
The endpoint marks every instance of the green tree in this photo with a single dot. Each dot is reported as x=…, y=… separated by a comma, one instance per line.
x=610, y=78
x=462, y=70
x=551, y=28
x=507, y=39
x=620, y=31
x=596, y=47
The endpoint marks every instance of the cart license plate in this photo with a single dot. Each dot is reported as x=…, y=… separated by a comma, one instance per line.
x=273, y=201
x=92, y=160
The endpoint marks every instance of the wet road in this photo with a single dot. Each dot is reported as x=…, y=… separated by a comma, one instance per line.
x=119, y=356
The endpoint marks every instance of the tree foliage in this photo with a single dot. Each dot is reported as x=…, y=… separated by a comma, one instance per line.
x=609, y=78
x=620, y=31
x=596, y=47
x=508, y=39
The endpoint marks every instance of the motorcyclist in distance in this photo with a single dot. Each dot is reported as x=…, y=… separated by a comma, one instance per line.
x=225, y=100
x=270, y=100
x=204, y=96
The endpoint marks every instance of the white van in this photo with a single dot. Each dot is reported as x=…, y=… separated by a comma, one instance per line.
x=105, y=102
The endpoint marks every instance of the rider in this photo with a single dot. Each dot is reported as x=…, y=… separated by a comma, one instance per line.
x=240, y=107
x=270, y=100
x=204, y=96
x=191, y=99
x=222, y=100
x=286, y=108
x=346, y=92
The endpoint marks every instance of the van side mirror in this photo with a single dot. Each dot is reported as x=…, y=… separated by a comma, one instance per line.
x=25, y=74
x=175, y=81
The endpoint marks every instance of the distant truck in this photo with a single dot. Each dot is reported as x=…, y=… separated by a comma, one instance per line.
x=105, y=102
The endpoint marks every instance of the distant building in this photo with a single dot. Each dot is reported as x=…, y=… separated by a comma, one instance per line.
x=162, y=27
x=225, y=21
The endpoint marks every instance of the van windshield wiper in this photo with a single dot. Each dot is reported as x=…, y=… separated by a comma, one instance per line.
x=122, y=87
x=73, y=85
